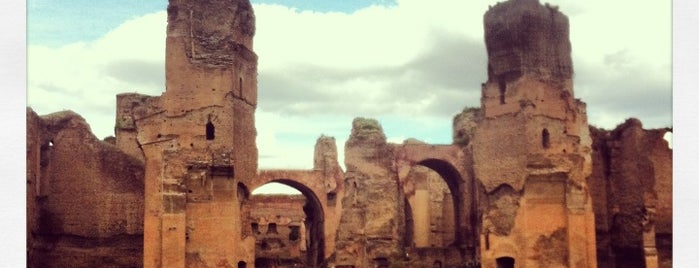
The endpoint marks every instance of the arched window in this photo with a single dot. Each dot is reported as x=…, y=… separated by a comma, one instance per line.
x=545, y=139
x=210, y=130
x=242, y=264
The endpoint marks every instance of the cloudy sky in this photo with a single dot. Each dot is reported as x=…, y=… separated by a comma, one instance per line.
x=411, y=64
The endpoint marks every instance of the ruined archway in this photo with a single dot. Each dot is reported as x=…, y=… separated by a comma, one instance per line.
x=429, y=210
x=453, y=180
x=460, y=239
x=310, y=233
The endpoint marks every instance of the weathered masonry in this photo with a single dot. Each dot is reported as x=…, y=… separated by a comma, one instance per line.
x=525, y=183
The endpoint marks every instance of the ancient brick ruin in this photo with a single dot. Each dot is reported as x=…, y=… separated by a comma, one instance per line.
x=525, y=183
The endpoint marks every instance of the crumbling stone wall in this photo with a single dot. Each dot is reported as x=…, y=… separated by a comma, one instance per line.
x=174, y=192
x=632, y=186
x=35, y=141
x=198, y=138
x=464, y=125
x=372, y=223
x=325, y=160
x=531, y=146
x=523, y=36
x=84, y=197
x=405, y=204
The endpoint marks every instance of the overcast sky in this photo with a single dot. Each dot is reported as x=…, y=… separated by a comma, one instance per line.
x=411, y=64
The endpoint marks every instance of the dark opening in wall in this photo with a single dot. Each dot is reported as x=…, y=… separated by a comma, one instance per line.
x=331, y=197
x=437, y=264
x=409, y=238
x=505, y=262
x=295, y=233
x=503, y=87
x=242, y=264
x=487, y=240
x=240, y=87
x=545, y=139
x=272, y=228
x=381, y=262
x=255, y=228
x=210, y=130
x=243, y=193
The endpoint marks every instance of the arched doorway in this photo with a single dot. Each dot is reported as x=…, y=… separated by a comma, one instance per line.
x=429, y=211
x=440, y=223
x=288, y=226
x=462, y=222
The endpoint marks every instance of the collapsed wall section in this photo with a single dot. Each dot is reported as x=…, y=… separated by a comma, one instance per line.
x=84, y=197
x=631, y=187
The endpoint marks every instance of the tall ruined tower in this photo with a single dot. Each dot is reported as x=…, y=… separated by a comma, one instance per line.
x=198, y=138
x=532, y=148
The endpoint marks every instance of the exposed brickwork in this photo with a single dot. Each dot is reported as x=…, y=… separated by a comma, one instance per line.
x=84, y=197
x=278, y=224
x=526, y=180
x=632, y=182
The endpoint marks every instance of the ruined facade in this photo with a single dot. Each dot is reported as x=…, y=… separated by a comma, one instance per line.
x=525, y=183
x=631, y=186
x=278, y=224
x=85, y=197
x=531, y=149
x=198, y=138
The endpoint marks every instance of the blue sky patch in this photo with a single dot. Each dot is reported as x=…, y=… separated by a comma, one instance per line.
x=55, y=23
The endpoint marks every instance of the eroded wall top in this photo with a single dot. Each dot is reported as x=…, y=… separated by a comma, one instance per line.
x=215, y=28
x=523, y=36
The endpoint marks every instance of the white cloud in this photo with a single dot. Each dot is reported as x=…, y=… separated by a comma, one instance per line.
x=411, y=65
x=85, y=77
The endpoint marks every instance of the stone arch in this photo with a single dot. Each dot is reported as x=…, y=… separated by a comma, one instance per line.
x=315, y=209
x=305, y=190
x=454, y=181
x=450, y=162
